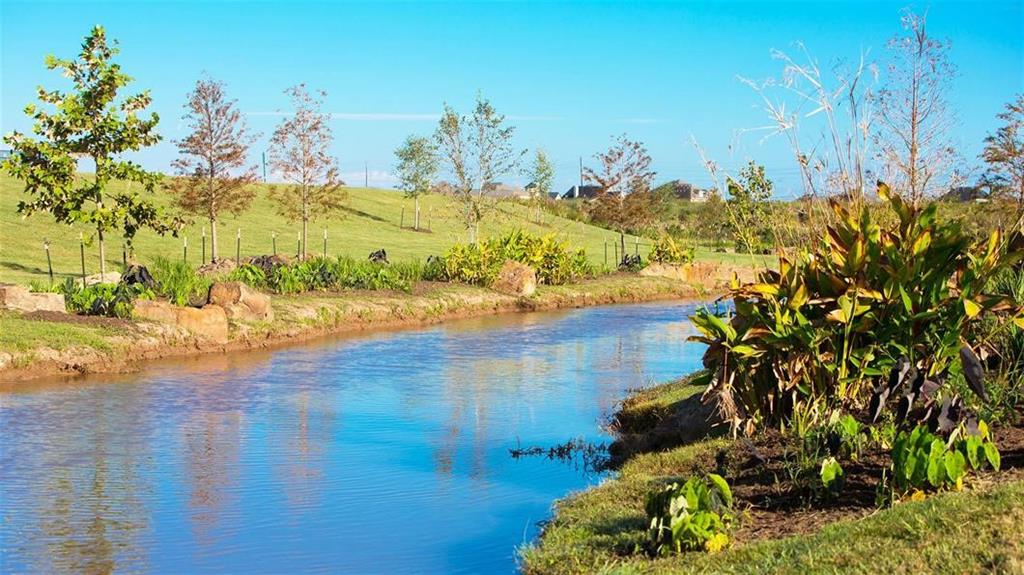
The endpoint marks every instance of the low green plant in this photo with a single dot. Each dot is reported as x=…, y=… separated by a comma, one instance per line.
x=667, y=250
x=922, y=461
x=110, y=300
x=250, y=275
x=693, y=516
x=178, y=281
x=832, y=476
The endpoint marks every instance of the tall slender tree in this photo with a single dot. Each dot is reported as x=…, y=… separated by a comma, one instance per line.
x=417, y=168
x=542, y=174
x=91, y=122
x=913, y=141
x=300, y=154
x=478, y=151
x=1004, y=150
x=214, y=178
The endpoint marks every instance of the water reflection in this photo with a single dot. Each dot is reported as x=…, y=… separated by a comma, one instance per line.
x=382, y=453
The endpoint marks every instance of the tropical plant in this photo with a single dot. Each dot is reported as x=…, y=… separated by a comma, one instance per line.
x=832, y=476
x=111, y=300
x=817, y=334
x=178, y=281
x=923, y=461
x=693, y=516
x=479, y=263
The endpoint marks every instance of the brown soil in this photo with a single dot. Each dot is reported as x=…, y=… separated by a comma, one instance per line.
x=108, y=322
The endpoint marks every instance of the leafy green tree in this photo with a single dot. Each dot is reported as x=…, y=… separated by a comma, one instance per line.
x=1004, y=150
x=749, y=207
x=478, y=151
x=93, y=123
x=417, y=168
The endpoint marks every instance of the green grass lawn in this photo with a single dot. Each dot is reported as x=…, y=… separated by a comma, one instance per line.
x=19, y=334
x=370, y=223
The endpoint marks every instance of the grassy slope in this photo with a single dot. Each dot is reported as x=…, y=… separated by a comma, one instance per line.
x=979, y=531
x=371, y=223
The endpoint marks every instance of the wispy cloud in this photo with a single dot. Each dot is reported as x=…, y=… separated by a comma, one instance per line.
x=400, y=117
x=639, y=120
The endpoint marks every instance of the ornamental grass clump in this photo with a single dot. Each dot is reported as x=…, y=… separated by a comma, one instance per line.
x=825, y=329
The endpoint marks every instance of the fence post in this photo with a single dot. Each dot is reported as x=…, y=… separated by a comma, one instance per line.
x=325, y=243
x=636, y=245
x=184, y=255
x=273, y=241
x=401, y=222
x=238, y=247
x=298, y=244
x=81, y=249
x=606, y=253
x=124, y=256
x=203, y=262
x=617, y=260
x=49, y=263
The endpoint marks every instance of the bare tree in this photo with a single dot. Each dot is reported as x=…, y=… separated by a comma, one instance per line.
x=417, y=168
x=478, y=151
x=213, y=176
x=299, y=152
x=1004, y=150
x=624, y=176
x=913, y=139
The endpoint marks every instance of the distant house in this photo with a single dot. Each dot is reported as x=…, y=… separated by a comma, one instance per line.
x=965, y=194
x=505, y=191
x=4, y=154
x=586, y=192
x=684, y=191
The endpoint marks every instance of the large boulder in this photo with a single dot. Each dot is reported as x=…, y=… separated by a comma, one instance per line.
x=19, y=298
x=217, y=268
x=268, y=263
x=516, y=279
x=241, y=302
x=209, y=323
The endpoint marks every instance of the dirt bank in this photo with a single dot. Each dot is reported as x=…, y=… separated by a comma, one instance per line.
x=45, y=345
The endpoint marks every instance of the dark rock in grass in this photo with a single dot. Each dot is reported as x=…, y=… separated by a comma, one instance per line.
x=379, y=257
x=267, y=264
x=138, y=275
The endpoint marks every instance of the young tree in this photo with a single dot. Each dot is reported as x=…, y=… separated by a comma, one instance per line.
x=1004, y=150
x=417, y=168
x=213, y=176
x=299, y=152
x=748, y=203
x=542, y=174
x=913, y=139
x=478, y=151
x=625, y=177
x=91, y=122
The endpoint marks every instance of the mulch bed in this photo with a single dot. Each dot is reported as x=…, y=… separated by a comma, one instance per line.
x=92, y=320
x=771, y=506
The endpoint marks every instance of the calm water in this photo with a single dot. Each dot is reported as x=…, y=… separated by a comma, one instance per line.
x=384, y=453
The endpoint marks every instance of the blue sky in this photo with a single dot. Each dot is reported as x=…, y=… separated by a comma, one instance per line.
x=569, y=75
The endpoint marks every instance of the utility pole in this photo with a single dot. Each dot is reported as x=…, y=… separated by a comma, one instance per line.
x=581, y=173
x=366, y=175
x=264, y=156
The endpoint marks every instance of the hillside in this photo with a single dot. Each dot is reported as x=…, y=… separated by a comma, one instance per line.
x=370, y=223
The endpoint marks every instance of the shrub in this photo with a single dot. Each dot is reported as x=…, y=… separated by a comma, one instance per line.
x=331, y=274
x=667, y=251
x=693, y=516
x=479, y=263
x=111, y=300
x=816, y=335
x=250, y=275
x=923, y=461
x=178, y=281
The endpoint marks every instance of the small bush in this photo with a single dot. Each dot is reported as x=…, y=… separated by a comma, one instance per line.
x=689, y=517
x=479, y=263
x=922, y=461
x=110, y=300
x=668, y=251
x=178, y=281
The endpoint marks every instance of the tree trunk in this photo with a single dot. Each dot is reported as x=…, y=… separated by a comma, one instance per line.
x=416, y=224
x=213, y=240
x=103, y=252
x=622, y=242
x=305, y=225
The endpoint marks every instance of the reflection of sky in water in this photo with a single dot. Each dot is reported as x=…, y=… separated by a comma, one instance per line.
x=384, y=453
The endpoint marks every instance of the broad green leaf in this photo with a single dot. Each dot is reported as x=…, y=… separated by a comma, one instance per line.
x=992, y=455
x=971, y=308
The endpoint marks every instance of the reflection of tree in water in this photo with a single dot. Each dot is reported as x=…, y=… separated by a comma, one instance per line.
x=91, y=507
x=212, y=454
x=299, y=441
